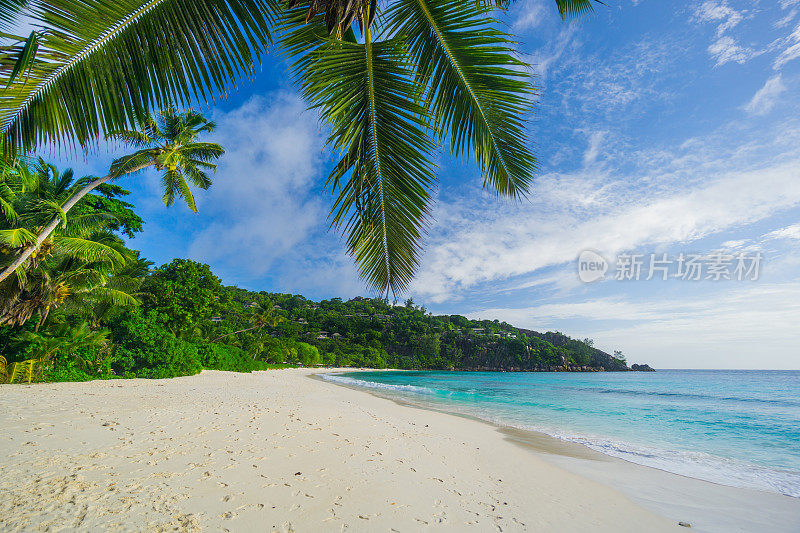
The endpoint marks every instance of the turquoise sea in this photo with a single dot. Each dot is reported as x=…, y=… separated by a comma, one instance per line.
x=734, y=427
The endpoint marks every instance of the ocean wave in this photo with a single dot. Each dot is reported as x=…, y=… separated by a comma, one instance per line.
x=696, y=465
x=375, y=385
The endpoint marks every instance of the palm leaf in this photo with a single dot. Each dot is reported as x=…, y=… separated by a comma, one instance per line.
x=175, y=186
x=7, y=196
x=478, y=91
x=109, y=296
x=24, y=60
x=88, y=251
x=14, y=238
x=9, y=11
x=368, y=94
x=101, y=65
x=574, y=8
x=51, y=208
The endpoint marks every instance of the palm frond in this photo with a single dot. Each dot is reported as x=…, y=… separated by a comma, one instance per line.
x=24, y=59
x=203, y=151
x=50, y=209
x=14, y=238
x=102, y=65
x=89, y=251
x=132, y=163
x=134, y=138
x=575, y=8
x=369, y=96
x=197, y=177
x=478, y=92
x=9, y=12
x=175, y=186
x=7, y=206
x=111, y=296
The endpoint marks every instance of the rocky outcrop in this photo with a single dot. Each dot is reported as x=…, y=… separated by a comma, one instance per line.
x=641, y=368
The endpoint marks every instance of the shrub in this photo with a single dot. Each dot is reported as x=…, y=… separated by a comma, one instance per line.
x=144, y=346
x=229, y=358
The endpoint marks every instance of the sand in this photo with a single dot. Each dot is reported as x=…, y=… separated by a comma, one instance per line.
x=278, y=451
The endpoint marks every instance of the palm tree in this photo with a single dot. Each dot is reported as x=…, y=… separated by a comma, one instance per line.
x=439, y=66
x=168, y=143
x=263, y=315
x=82, y=262
x=66, y=340
x=34, y=195
x=62, y=280
x=112, y=292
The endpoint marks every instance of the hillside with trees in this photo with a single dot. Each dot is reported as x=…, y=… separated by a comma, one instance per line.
x=371, y=332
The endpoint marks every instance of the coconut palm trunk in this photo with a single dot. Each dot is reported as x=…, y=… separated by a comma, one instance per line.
x=51, y=227
x=169, y=143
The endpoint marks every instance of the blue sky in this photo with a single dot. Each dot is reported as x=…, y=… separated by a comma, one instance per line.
x=661, y=127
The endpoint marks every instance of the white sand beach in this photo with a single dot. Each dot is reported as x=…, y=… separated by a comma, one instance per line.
x=278, y=451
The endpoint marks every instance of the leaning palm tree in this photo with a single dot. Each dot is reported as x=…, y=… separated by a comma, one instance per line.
x=440, y=66
x=169, y=144
x=34, y=194
x=80, y=264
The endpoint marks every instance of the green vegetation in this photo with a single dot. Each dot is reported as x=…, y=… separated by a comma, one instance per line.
x=184, y=320
x=394, y=81
x=85, y=306
x=187, y=321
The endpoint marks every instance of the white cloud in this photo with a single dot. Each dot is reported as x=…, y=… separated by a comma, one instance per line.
x=627, y=79
x=721, y=13
x=785, y=21
x=789, y=232
x=593, y=150
x=531, y=15
x=678, y=196
x=792, y=50
x=726, y=50
x=766, y=97
x=260, y=201
x=545, y=58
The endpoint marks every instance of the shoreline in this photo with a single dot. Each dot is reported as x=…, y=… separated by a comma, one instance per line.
x=671, y=495
x=276, y=450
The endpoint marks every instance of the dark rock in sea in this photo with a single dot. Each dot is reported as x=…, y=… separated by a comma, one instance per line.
x=641, y=368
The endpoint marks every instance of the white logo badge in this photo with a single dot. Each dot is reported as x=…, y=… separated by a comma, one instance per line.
x=591, y=266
